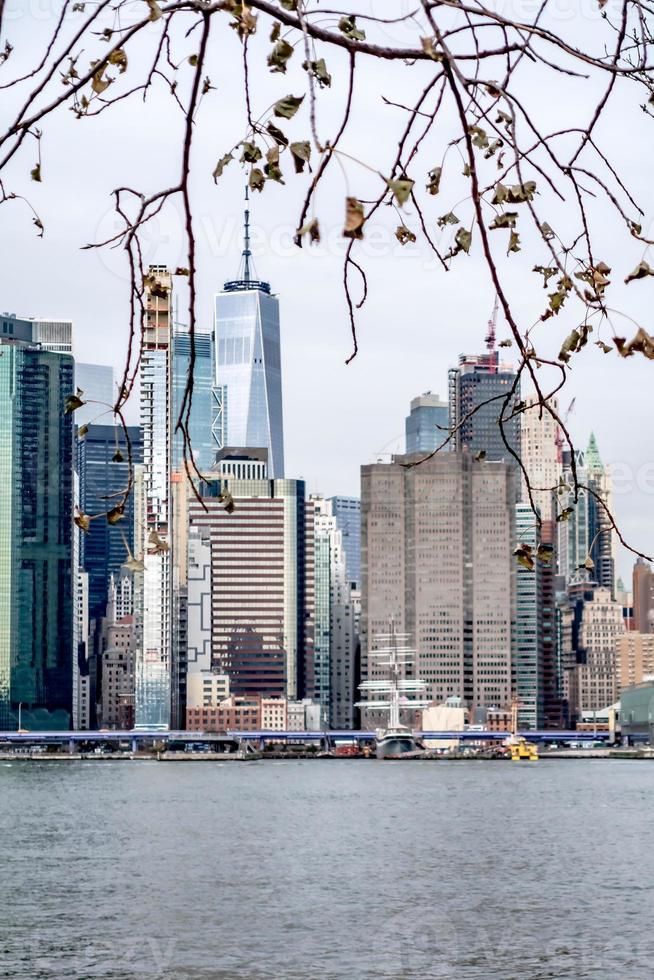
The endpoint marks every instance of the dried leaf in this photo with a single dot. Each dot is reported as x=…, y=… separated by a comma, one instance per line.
x=301, y=154
x=98, y=83
x=73, y=402
x=479, y=137
x=155, y=286
x=463, y=239
x=565, y=514
x=480, y=456
x=271, y=168
x=220, y=166
x=506, y=343
x=319, y=71
x=245, y=22
x=447, y=219
x=155, y=9
x=35, y=174
x=156, y=544
x=251, y=152
x=404, y=235
x=429, y=49
x=514, y=242
x=354, y=218
x=118, y=457
x=119, y=58
x=546, y=231
x=227, y=500
x=277, y=134
x=280, y=55
x=506, y=220
x=546, y=271
x=524, y=556
x=276, y=28
x=401, y=189
x=134, y=564
x=82, y=520
x=545, y=553
x=81, y=432
x=288, y=106
x=116, y=514
x=603, y=347
x=641, y=270
x=180, y=271
x=312, y=229
x=347, y=26
x=435, y=180
x=257, y=180
x=641, y=343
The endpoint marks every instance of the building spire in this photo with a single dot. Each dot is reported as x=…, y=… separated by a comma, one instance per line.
x=247, y=254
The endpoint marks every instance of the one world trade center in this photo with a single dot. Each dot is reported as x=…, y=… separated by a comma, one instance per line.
x=248, y=392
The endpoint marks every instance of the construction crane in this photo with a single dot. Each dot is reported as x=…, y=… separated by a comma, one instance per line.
x=492, y=325
x=559, y=435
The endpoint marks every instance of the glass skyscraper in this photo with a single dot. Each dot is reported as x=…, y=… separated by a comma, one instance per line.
x=248, y=411
x=347, y=511
x=478, y=387
x=203, y=442
x=36, y=538
x=102, y=546
x=97, y=383
x=427, y=424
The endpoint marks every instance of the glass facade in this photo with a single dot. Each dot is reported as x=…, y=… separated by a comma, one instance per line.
x=203, y=442
x=36, y=539
x=347, y=511
x=426, y=425
x=528, y=670
x=154, y=656
x=103, y=547
x=477, y=390
x=97, y=383
x=248, y=369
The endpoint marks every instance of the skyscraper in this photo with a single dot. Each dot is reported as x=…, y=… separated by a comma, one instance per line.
x=154, y=654
x=250, y=586
x=478, y=388
x=643, y=592
x=541, y=455
x=248, y=394
x=436, y=556
x=347, y=511
x=36, y=537
x=97, y=383
x=426, y=425
x=50, y=334
x=529, y=666
x=203, y=440
x=102, y=464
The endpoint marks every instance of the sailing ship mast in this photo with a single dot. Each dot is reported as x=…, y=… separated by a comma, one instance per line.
x=400, y=691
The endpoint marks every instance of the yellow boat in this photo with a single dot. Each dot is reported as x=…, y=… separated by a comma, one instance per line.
x=520, y=749
x=523, y=751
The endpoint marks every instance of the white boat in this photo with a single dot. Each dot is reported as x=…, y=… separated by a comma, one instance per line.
x=393, y=695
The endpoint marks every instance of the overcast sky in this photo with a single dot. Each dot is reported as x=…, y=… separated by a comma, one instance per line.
x=417, y=319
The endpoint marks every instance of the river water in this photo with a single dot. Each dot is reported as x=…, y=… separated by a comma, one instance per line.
x=342, y=870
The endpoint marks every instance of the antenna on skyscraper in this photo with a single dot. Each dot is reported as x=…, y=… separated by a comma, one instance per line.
x=247, y=254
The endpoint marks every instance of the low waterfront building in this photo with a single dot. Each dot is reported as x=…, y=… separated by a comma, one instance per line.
x=637, y=712
x=235, y=713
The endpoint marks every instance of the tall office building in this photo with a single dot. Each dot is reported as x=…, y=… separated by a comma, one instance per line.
x=541, y=455
x=597, y=674
x=336, y=621
x=477, y=391
x=529, y=665
x=203, y=438
x=154, y=653
x=436, y=557
x=347, y=511
x=643, y=596
x=49, y=334
x=587, y=531
x=97, y=383
x=36, y=538
x=102, y=465
x=250, y=583
x=426, y=425
x=248, y=393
